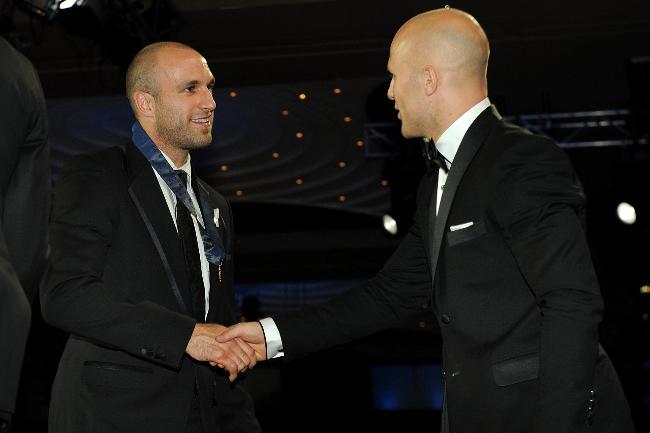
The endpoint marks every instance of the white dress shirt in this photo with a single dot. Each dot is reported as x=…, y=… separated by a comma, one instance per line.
x=447, y=145
x=449, y=141
x=170, y=198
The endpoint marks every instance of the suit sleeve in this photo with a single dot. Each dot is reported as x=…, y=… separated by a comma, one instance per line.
x=401, y=289
x=24, y=206
x=75, y=297
x=538, y=205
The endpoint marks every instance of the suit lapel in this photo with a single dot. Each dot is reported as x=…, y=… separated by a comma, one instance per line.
x=472, y=141
x=208, y=206
x=145, y=192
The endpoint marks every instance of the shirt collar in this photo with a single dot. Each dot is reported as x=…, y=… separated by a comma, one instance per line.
x=187, y=167
x=449, y=141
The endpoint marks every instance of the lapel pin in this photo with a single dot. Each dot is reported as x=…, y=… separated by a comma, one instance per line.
x=216, y=217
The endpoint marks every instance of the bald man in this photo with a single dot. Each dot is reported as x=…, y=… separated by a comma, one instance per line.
x=141, y=273
x=498, y=255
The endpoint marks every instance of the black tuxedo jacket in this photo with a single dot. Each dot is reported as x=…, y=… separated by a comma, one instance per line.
x=24, y=209
x=117, y=282
x=506, y=269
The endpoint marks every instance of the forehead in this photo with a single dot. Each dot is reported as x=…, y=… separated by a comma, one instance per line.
x=180, y=65
x=396, y=56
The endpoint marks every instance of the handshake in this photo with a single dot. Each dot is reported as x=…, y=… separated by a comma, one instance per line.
x=235, y=349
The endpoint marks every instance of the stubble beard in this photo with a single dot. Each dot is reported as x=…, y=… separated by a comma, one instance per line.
x=177, y=133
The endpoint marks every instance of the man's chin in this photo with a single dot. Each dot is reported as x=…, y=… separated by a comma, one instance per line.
x=406, y=133
x=198, y=144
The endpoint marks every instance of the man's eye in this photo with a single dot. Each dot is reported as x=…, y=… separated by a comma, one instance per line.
x=190, y=88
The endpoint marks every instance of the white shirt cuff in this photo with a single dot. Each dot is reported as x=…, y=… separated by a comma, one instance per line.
x=273, y=339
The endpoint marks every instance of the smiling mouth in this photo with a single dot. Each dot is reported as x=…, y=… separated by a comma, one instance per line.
x=203, y=121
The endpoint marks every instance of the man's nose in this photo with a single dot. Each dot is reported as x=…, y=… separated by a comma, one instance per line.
x=208, y=101
x=389, y=93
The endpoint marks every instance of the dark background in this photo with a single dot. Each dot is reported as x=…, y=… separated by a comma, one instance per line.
x=575, y=70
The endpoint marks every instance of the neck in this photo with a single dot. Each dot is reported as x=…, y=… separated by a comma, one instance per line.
x=176, y=154
x=452, y=109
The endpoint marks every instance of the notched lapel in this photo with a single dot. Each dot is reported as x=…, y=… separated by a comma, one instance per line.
x=208, y=206
x=150, y=202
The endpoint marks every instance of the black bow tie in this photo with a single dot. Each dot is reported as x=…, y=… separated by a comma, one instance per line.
x=433, y=157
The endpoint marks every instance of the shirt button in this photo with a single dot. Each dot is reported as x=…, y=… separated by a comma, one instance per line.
x=143, y=351
x=445, y=319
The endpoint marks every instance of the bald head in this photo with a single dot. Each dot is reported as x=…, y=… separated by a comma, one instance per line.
x=142, y=74
x=438, y=63
x=450, y=40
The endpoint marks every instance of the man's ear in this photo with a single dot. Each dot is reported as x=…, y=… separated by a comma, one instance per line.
x=144, y=103
x=430, y=78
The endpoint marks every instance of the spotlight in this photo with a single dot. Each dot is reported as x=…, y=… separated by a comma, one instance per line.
x=67, y=4
x=390, y=225
x=48, y=8
x=626, y=213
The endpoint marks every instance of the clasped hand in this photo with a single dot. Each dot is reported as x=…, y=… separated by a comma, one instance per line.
x=235, y=349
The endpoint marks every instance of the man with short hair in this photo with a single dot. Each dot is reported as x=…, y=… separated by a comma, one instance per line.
x=141, y=272
x=497, y=252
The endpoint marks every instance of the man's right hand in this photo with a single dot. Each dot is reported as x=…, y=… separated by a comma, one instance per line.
x=233, y=355
x=251, y=333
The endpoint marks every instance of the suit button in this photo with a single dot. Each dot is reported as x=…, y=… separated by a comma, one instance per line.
x=143, y=351
x=445, y=319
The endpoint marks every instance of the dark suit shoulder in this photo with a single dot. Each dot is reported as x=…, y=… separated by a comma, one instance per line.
x=107, y=163
x=531, y=171
x=104, y=159
x=521, y=141
x=90, y=180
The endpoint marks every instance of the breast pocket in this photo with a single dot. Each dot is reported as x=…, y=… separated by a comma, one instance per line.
x=113, y=375
x=465, y=234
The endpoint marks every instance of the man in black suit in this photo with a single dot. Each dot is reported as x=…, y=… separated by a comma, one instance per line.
x=141, y=272
x=24, y=212
x=497, y=252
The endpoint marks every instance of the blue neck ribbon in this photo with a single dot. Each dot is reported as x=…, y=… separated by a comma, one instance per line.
x=212, y=242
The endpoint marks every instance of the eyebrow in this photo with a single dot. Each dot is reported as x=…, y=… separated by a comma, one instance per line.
x=196, y=83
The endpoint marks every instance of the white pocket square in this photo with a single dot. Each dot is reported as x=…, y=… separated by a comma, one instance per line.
x=461, y=226
x=216, y=217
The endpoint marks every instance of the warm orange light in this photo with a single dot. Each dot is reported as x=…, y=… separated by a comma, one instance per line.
x=302, y=96
x=239, y=193
x=342, y=164
x=342, y=198
x=285, y=113
x=299, y=135
x=223, y=168
x=347, y=119
x=384, y=182
x=645, y=289
x=337, y=90
x=299, y=181
x=360, y=143
x=233, y=94
x=275, y=154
